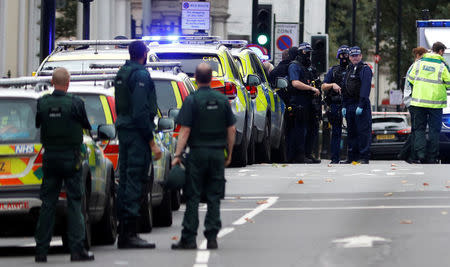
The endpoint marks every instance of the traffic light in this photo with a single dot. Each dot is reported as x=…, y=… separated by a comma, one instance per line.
x=319, y=44
x=262, y=26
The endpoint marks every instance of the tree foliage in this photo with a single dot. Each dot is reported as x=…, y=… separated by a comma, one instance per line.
x=66, y=22
x=340, y=27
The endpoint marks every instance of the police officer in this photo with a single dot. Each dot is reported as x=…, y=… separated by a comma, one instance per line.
x=281, y=70
x=356, y=108
x=207, y=127
x=429, y=78
x=332, y=85
x=136, y=108
x=62, y=118
x=301, y=75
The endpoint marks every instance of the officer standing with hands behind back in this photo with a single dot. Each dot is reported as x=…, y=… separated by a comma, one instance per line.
x=332, y=85
x=207, y=127
x=136, y=108
x=62, y=118
x=356, y=108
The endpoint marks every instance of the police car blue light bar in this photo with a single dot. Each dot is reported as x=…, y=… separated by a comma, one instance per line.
x=190, y=39
x=95, y=42
x=433, y=23
x=168, y=64
x=22, y=81
x=234, y=43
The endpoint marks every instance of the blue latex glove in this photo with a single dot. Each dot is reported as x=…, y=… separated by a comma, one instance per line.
x=358, y=111
x=344, y=111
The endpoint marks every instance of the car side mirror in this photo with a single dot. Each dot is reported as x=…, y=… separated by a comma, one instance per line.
x=166, y=124
x=173, y=113
x=281, y=83
x=252, y=80
x=106, y=132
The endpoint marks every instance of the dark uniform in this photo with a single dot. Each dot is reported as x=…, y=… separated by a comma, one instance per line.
x=136, y=108
x=208, y=114
x=62, y=118
x=355, y=94
x=333, y=99
x=303, y=122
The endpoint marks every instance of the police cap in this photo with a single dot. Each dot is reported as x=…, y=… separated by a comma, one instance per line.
x=343, y=49
x=305, y=46
x=176, y=178
x=355, y=50
x=137, y=49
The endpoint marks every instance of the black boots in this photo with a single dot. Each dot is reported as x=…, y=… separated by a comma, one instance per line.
x=40, y=258
x=128, y=237
x=311, y=160
x=212, y=244
x=184, y=245
x=83, y=255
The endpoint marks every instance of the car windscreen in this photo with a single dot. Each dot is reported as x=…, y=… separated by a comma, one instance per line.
x=78, y=65
x=17, y=121
x=387, y=119
x=189, y=62
x=165, y=96
x=94, y=110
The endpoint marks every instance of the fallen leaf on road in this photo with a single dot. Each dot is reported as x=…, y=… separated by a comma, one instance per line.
x=406, y=222
x=284, y=165
x=426, y=184
x=355, y=163
x=393, y=165
x=300, y=182
x=444, y=212
x=404, y=181
x=249, y=220
x=261, y=202
x=329, y=165
x=394, y=169
x=329, y=180
x=274, y=165
x=238, y=197
x=174, y=237
x=388, y=194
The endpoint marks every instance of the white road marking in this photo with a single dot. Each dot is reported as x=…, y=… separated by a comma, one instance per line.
x=362, y=208
x=361, y=199
x=121, y=263
x=225, y=231
x=259, y=209
x=202, y=257
x=52, y=243
x=362, y=241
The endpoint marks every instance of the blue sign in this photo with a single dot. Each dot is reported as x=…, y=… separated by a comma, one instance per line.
x=284, y=42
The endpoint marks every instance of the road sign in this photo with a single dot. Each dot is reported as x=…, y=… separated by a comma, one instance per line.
x=286, y=36
x=284, y=42
x=195, y=15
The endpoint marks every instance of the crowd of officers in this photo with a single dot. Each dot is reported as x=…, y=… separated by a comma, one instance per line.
x=346, y=90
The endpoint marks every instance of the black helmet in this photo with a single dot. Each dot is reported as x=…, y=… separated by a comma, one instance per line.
x=176, y=178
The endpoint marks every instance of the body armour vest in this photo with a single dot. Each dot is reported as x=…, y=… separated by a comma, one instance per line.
x=122, y=90
x=339, y=73
x=209, y=128
x=58, y=127
x=353, y=82
x=308, y=76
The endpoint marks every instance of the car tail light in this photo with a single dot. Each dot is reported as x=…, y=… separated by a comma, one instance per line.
x=404, y=131
x=112, y=106
x=176, y=131
x=253, y=90
x=112, y=147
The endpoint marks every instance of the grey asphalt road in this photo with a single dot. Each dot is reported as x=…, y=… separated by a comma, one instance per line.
x=383, y=214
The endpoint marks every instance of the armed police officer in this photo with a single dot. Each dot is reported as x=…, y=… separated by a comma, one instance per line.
x=136, y=108
x=356, y=108
x=282, y=70
x=62, y=118
x=303, y=133
x=207, y=127
x=332, y=86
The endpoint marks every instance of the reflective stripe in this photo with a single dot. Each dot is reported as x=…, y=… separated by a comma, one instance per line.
x=440, y=72
x=106, y=109
x=176, y=91
x=429, y=101
x=426, y=80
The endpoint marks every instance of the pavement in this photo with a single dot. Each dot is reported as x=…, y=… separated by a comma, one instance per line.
x=387, y=213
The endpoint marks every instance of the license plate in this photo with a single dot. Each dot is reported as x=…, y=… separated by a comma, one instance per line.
x=5, y=167
x=385, y=136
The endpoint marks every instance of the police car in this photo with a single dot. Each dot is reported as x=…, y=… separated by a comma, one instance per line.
x=193, y=50
x=21, y=171
x=268, y=108
x=79, y=55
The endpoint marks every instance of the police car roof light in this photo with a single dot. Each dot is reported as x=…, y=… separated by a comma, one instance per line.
x=171, y=64
x=84, y=72
x=23, y=81
x=95, y=42
x=432, y=23
x=187, y=39
x=234, y=43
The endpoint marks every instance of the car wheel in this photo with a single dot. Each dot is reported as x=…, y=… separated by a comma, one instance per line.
x=105, y=232
x=176, y=200
x=163, y=213
x=251, y=149
x=87, y=221
x=263, y=150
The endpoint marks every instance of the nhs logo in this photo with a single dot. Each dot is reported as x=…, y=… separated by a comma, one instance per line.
x=24, y=149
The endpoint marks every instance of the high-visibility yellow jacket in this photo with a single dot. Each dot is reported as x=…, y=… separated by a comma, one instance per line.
x=430, y=78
